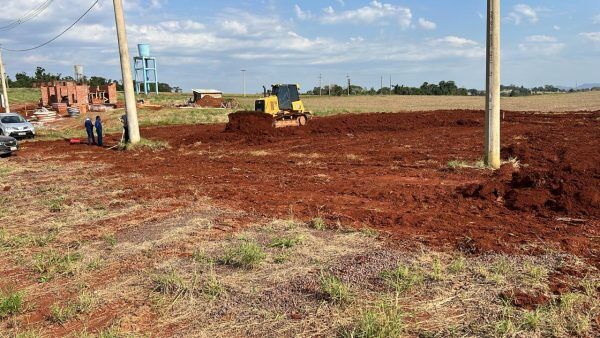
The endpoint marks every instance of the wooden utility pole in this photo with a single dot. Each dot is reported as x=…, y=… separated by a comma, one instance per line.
x=4, y=91
x=130, y=104
x=492, y=105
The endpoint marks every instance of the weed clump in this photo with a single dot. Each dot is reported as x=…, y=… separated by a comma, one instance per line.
x=334, y=289
x=247, y=255
x=285, y=242
x=11, y=303
x=385, y=320
x=318, y=223
x=402, y=278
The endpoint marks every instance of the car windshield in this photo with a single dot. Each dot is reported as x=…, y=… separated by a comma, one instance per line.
x=12, y=119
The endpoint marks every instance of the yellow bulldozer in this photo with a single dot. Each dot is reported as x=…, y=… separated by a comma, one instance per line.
x=279, y=107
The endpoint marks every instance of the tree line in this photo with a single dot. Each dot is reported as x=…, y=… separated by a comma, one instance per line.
x=441, y=88
x=22, y=80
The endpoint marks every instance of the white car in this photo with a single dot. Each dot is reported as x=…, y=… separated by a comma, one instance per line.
x=14, y=125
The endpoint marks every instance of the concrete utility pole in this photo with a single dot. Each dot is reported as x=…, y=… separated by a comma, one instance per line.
x=349, y=84
x=381, y=85
x=130, y=104
x=4, y=91
x=320, y=84
x=244, y=80
x=492, y=109
x=390, y=85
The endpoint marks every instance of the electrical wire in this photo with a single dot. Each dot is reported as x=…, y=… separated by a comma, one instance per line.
x=56, y=37
x=28, y=16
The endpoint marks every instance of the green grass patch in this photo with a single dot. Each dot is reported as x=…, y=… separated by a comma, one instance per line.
x=402, y=278
x=318, y=223
x=245, y=255
x=50, y=264
x=384, y=320
x=11, y=303
x=286, y=242
x=334, y=289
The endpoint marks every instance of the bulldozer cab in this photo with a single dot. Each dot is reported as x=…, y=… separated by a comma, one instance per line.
x=286, y=95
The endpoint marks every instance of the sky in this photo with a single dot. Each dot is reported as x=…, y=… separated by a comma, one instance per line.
x=206, y=44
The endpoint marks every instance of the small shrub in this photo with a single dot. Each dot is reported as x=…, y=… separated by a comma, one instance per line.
x=11, y=303
x=213, y=287
x=281, y=258
x=437, y=270
x=168, y=283
x=457, y=265
x=402, y=278
x=285, y=242
x=110, y=240
x=532, y=320
x=318, y=223
x=246, y=255
x=505, y=327
x=56, y=205
x=335, y=290
x=61, y=314
x=386, y=320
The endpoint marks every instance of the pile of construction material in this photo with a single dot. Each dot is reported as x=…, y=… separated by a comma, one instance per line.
x=44, y=115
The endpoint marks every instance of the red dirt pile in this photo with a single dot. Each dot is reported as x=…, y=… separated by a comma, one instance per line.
x=210, y=102
x=250, y=122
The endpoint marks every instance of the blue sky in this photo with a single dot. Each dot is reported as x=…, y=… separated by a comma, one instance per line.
x=205, y=44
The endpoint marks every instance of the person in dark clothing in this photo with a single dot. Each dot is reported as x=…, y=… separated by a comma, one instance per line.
x=89, y=128
x=125, y=128
x=98, y=126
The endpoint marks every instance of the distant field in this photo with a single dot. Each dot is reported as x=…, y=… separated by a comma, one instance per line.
x=334, y=105
x=320, y=106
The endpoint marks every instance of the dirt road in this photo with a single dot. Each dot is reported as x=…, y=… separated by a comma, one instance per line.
x=385, y=171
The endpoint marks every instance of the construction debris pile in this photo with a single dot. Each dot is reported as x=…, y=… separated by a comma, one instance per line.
x=210, y=98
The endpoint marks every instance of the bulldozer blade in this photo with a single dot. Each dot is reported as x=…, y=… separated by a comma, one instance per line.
x=250, y=121
x=287, y=123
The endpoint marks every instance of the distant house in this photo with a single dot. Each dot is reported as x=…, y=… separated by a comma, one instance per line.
x=201, y=93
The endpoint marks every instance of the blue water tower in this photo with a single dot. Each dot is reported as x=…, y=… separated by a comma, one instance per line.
x=146, y=70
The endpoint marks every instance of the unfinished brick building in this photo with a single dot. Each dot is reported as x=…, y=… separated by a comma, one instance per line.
x=72, y=94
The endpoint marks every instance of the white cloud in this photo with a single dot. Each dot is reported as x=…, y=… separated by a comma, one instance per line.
x=301, y=14
x=556, y=27
x=596, y=19
x=454, y=41
x=373, y=13
x=541, y=44
x=426, y=24
x=540, y=38
x=342, y=2
x=591, y=36
x=522, y=12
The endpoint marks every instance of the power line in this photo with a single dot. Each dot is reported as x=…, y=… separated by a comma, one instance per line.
x=59, y=35
x=28, y=16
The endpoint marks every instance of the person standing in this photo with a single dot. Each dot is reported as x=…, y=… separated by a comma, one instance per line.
x=125, y=128
x=99, y=130
x=89, y=128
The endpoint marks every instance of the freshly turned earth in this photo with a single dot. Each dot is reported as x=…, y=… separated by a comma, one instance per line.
x=388, y=172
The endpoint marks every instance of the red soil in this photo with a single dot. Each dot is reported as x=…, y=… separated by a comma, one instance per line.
x=389, y=172
x=210, y=102
x=250, y=122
